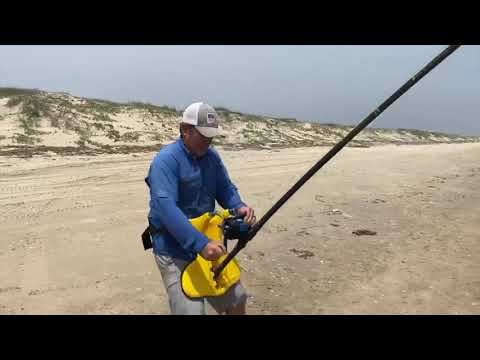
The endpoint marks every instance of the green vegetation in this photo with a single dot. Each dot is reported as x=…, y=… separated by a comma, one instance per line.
x=288, y=120
x=113, y=134
x=255, y=137
x=250, y=118
x=328, y=130
x=84, y=133
x=55, y=121
x=339, y=126
x=24, y=139
x=96, y=116
x=226, y=117
x=222, y=109
x=418, y=133
x=64, y=111
x=423, y=134
x=32, y=106
x=155, y=109
x=131, y=136
x=69, y=124
x=14, y=101
x=450, y=136
x=32, y=109
x=12, y=91
x=28, y=123
x=93, y=106
x=103, y=118
x=101, y=126
x=155, y=136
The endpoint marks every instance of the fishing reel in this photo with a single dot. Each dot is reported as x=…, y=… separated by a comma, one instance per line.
x=235, y=228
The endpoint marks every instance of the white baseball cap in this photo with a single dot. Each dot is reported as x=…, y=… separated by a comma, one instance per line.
x=204, y=118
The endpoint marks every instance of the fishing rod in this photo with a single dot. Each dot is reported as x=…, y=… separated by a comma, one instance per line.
x=232, y=227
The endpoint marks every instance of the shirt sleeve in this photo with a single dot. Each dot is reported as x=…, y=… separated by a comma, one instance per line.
x=163, y=180
x=227, y=193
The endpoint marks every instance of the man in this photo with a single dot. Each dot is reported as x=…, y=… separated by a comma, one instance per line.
x=185, y=178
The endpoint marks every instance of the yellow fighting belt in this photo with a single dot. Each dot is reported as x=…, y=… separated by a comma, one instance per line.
x=197, y=277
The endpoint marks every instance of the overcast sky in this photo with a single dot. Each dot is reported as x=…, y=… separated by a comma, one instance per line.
x=334, y=84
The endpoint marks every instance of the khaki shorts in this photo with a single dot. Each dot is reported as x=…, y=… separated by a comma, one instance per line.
x=180, y=304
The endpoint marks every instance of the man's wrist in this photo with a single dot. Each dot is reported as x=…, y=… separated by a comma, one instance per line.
x=200, y=245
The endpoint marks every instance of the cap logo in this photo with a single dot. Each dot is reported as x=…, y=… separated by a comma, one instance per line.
x=211, y=118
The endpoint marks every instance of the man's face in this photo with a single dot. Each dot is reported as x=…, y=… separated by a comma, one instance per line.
x=196, y=142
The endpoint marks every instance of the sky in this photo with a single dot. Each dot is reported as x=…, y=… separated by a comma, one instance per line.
x=315, y=83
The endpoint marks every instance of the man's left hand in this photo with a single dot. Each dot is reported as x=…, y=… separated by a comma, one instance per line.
x=249, y=214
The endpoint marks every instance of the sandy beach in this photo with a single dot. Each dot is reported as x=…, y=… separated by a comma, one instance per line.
x=70, y=232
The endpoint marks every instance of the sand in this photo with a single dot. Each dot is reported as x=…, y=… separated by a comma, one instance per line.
x=70, y=232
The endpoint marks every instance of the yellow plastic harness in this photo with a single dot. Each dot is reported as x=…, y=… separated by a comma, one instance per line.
x=197, y=277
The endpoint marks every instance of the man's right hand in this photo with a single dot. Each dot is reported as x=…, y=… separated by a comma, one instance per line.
x=213, y=250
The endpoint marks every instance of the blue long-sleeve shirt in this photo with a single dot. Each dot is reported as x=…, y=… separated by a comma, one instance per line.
x=183, y=187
